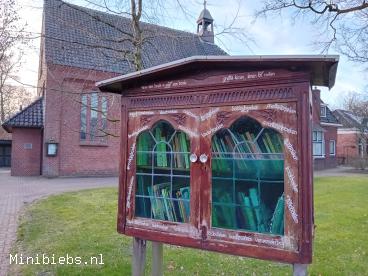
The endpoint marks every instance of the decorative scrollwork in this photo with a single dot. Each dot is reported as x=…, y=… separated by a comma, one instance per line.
x=222, y=116
x=267, y=114
x=179, y=118
x=145, y=120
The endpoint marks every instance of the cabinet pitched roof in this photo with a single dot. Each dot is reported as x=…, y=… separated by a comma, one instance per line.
x=30, y=117
x=90, y=39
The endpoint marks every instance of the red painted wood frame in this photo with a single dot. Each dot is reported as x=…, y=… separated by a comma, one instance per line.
x=277, y=99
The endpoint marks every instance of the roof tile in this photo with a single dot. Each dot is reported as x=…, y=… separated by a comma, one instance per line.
x=86, y=38
x=30, y=117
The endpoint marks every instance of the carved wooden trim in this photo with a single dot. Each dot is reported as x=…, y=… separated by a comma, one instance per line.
x=145, y=120
x=179, y=118
x=266, y=114
x=235, y=95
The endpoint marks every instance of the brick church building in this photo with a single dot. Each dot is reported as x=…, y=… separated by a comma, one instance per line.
x=72, y=130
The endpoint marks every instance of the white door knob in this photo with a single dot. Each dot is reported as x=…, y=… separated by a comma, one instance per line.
x=203, y=158
x=193, y=158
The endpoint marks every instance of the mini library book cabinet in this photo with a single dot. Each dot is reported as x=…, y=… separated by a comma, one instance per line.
x=216, y=153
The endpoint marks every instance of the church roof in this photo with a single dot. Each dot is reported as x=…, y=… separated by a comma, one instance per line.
x=30, y=117
x=85, y=38
x=205, y=14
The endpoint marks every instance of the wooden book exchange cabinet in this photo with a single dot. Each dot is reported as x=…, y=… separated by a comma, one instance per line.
x=216, y=153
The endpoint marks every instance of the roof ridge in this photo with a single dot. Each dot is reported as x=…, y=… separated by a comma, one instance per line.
x=86, y=9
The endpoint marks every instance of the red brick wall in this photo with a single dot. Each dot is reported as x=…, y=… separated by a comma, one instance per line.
x=26, y=162
x=64, y=86
x=347, y=149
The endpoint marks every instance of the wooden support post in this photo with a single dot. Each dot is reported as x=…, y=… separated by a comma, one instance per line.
x=300, y=269
x=139, y=257
x=157, y=259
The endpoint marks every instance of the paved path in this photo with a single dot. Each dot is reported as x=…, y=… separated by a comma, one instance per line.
x=15, y=192
x=341, y=171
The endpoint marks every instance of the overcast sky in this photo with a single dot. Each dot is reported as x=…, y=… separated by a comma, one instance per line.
x=272, y=36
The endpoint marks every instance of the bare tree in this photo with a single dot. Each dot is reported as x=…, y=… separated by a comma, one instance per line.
x=11, y=37
x=344, y=23
x=357, y=103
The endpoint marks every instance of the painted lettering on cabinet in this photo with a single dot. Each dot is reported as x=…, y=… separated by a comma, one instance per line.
x=291, y=149
x=165, y=85
x=291, y=208
x=248, y=76
x=237, y=237
x=280, y=127
x=135, y=133
x=131, y=156
x=191, y=114
x=291, y=177
x=139, y=113
x=282, y=108
x=209, y=114
x=130, y=192
x=212, y=130
x=188, y=131
x=244, y=108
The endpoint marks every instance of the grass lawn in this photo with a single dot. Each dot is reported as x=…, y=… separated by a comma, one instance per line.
x=83, y=224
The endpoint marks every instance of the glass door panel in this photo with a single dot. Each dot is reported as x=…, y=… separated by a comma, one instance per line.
x=248, y=178
x=163, y=174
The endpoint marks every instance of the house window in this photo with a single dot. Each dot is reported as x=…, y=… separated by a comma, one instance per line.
x=318, y=144
x=93, y=120
x=323, y=111
x=332, y=147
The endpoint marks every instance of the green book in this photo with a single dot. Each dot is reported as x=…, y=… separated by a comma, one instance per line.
x=222, y=161
x=270, y=143
x=181, y=207
x=141, y=192
x=250, y=219
x=158, y=150
x=145, y=147
x=253, y=195
x=184, y=148
x=153, y=203
x=166, y=200
x=185, y=194
x=228, y=211
x=159, y=201
x=277, y=221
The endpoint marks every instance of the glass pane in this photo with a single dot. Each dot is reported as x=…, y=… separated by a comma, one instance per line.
x=94, y=114
x=83, y=122
x=180, y=145
x=103, y=113
x=163, y=174
x=248, y=178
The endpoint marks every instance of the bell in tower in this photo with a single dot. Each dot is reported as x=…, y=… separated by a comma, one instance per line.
x=205, y=25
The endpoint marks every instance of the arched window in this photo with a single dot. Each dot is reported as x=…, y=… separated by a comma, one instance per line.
x=163, y=174
x=248, y=178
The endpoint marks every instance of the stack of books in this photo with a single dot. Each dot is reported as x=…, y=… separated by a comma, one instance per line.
x=165, y=207
x=247, y=154
x=248, y=213
x=180, y=149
